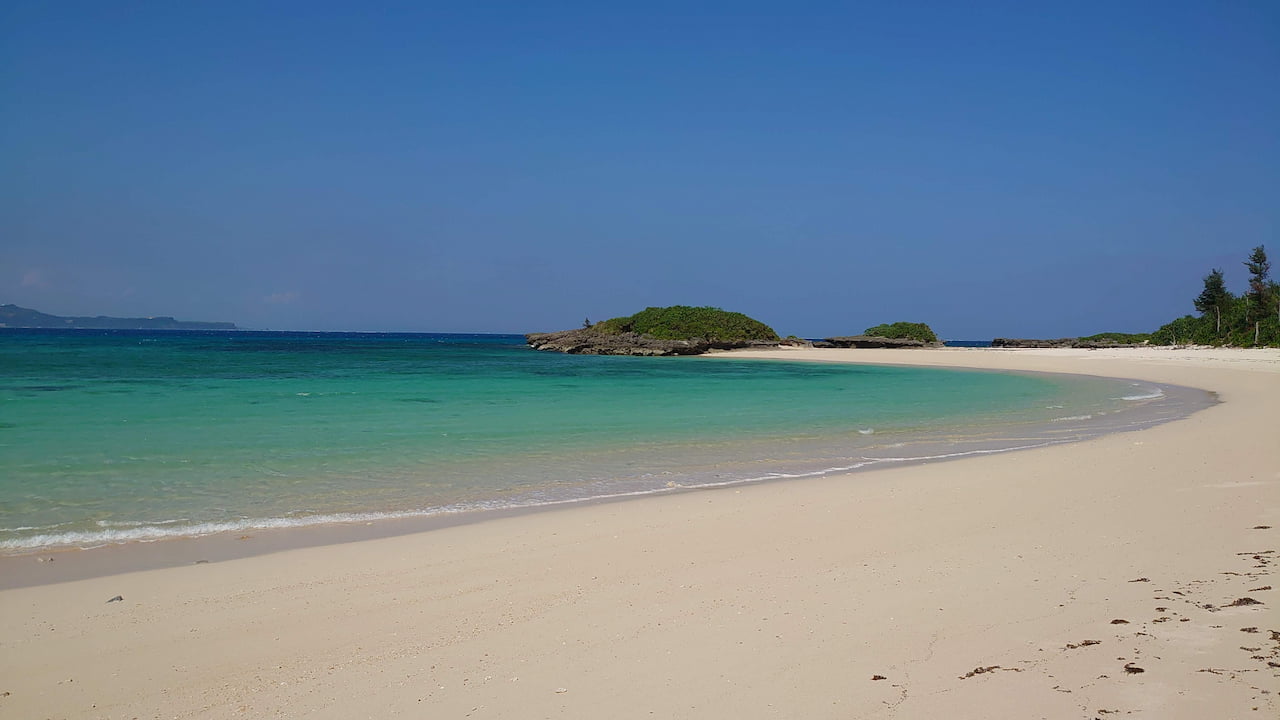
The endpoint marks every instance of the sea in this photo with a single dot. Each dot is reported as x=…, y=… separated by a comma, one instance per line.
x=124, y=436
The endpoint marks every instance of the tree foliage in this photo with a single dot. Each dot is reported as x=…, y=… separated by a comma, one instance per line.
x=1260, y=298
x=1259, y=268
x=1186, y=330
x=1252, y=319
x=682, y=322
x=903, y=330
x=1214, y=298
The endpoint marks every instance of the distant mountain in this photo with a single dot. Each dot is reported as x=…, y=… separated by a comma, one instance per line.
x=19, y=317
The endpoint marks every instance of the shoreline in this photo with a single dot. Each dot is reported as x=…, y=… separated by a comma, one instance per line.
x=981, y=587
x=67, y=563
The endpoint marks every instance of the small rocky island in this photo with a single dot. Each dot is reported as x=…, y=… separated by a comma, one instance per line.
x=675, y=330
x=684, y=330
x=892, y=335
x=872, y=341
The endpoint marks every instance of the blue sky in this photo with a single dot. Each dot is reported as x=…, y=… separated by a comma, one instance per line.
x=1016, y=169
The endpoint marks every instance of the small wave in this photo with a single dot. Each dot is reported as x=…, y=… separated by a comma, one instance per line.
x=26, y=528
x=124, y=532
x=1157, y=393
x=137, y=523
x=863, y=462
x=1069, y=418
x=866, y=431
x=120, y=532
x=966, y=453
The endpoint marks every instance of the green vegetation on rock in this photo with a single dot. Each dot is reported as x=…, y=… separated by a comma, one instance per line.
x=1119, y=337
x=904, y=330
x=682, y=322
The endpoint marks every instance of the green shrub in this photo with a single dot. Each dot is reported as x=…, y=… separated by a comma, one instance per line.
x=1186, y=330
x=907, y=330
x=682, y=322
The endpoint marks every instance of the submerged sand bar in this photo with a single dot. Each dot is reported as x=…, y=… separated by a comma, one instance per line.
x=987, y=587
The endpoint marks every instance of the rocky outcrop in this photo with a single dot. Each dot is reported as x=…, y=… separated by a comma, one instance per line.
x=1060, y=343
x=873, y=341
x=589, y=341
x=1032, y=343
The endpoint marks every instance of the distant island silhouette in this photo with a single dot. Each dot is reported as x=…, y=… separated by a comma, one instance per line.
x=12, y=316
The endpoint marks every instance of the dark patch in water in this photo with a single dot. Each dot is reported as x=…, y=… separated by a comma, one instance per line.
x=45, y=388
x=420, y=400
x=6, y=426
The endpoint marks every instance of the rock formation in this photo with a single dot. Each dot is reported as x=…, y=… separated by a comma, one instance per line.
x=589, y=341
x=1060, y=343
x=873, y=341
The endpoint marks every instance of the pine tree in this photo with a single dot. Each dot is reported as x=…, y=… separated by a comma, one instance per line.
x=1214, y=298
x=1259, y=295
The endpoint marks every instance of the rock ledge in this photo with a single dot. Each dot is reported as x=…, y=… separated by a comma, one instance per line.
x=873, y=341
x=1060, y=343
x=588, y=341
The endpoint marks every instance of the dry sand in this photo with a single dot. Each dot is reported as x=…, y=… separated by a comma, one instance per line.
x=1093, y=580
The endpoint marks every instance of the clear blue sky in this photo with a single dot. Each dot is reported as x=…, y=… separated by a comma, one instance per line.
x=1014, y=168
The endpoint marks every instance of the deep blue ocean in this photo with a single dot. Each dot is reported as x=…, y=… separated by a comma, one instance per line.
x=116, y=436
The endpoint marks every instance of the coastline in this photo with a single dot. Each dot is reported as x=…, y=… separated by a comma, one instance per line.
x=775, y=599
x=177, y=546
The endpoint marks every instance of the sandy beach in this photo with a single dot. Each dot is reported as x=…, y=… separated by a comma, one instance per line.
x=1131, y=575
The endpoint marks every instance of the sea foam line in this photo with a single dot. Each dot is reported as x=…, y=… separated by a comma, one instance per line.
x=1157, y=393
x=126, y=532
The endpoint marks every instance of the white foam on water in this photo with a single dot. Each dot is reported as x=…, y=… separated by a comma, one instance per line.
x=115, y=532
x=24, y=528
x=137, y=523
x=1157, y=393
x=968, y=453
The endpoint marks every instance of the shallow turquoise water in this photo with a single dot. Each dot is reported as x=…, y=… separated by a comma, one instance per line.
x=118, y=436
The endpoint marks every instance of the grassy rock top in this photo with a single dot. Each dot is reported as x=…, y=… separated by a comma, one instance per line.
x=675, y=330
x=682, y=322
x=903, y=331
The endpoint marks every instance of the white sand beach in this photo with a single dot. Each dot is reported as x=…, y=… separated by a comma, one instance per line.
x=1132, y=575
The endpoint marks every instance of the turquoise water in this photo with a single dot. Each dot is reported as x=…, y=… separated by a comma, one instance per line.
x=120, y=436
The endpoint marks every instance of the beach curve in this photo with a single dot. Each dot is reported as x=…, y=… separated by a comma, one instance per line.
x=984, y=587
